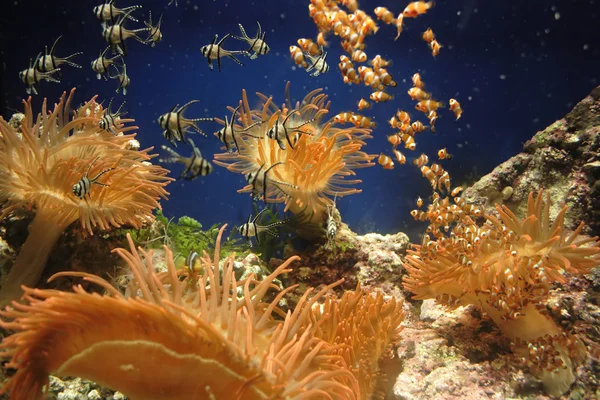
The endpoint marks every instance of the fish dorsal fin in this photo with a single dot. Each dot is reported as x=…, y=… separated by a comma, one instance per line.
x=259, y=29
x=195, y=149
x=53, y=49
x=186, y=105
x=223, y=39
x=288, y=116
x=258, y=215
x=274, y=117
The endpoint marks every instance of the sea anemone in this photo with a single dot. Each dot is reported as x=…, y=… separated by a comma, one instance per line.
x=316, y=160
x=187, y=335
x=506, y=267
x=40, y=166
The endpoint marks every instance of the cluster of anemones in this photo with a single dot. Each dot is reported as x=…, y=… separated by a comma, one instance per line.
x=505, y=266
x=315, y=162
x=40, y=165
x=180, y=334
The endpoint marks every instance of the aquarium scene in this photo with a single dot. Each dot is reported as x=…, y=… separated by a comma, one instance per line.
x=301, y=199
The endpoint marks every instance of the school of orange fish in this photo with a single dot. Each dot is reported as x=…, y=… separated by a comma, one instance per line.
x=352, y=26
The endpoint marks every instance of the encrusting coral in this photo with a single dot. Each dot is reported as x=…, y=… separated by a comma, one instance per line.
x=40, y=166
x=506, y=266
x=315, y=162
x=185, y=335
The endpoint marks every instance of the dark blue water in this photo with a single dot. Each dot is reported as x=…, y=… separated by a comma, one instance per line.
x=515, y=67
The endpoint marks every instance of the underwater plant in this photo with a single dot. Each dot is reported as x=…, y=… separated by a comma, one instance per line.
x=183, y=236
x=181, y=335
x=506, y=267
x=72, y=169
x=310, y=158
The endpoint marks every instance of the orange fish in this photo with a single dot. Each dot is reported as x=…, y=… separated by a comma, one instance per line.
x=394, y=140
x=432, y=118
x=309, y=46
x=381, y=96
x=428, y=105
x=403, y=116
x=417, y=8
x=419, y=202
x=351, y=5
x=360, y=121
x=321, y=40
x=429, y=175
x=385, y=161
x=421, y=160
x=435, y=47
x=409, y=141
x=443, y=154
x=399, y=157
x=399, y=25
x=456, y=108
x=456, y=191
x=384, y=15
x=418, y=126
x=386, y=78
x=417, y=82
x=378, y=62
x=393, y=122
x=363, y=103
x=344, y=117
x=359, y=56
x=416, y=93
x=298, y=56
x=428, y=35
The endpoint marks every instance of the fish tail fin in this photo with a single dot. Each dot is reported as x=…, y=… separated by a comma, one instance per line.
x=67, y=59
x=128, y=11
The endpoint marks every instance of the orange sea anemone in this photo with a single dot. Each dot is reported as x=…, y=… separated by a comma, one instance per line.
x=40, y=166
x=316, y=160
x=506, y=267
x=180, y=335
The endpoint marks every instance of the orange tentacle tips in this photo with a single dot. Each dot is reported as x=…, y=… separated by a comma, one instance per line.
x=68, y=170
x=187, y=335
x=505, y=266
x=310, y=157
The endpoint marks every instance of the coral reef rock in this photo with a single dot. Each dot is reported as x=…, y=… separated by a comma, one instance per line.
x=564, y=158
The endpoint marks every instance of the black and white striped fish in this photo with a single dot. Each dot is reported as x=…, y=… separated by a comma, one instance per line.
x=175, y=125
x=82, y=188
x=258, y=179
x=115, y=35
x=195, y=165
x=124, y=80
x=31, y=76
x=101, y=64
x=108, y=122
x=214, y=51
x=227, y=134
x=251, y=229
x=108, y=11
x=49, y=61
x=257, y=43
x=193, y=262
x=280, y=131
x=154, y=34
x=332, y=226
x=319, y=64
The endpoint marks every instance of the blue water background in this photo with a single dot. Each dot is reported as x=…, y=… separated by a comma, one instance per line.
x=516, y=66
